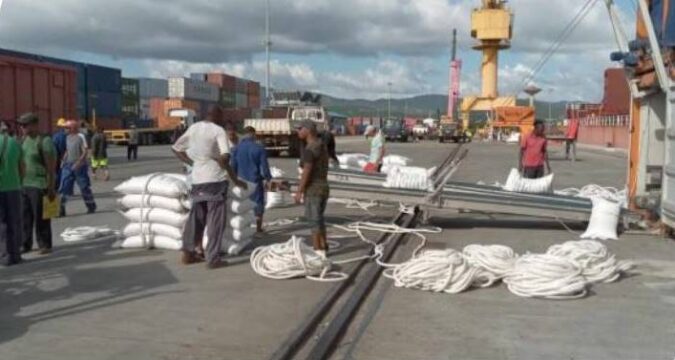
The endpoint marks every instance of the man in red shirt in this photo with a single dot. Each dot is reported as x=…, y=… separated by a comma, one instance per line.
x=571, y=139
x=533, y=154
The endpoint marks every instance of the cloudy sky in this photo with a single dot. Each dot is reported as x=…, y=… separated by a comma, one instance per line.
x=346, y=48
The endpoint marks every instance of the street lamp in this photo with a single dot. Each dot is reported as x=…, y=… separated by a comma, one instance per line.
x=550, y=90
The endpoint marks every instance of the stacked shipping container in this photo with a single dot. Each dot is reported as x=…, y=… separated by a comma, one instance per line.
x=50, y=91
x=130, y=99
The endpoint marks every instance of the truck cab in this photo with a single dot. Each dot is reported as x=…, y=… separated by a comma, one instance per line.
x=451, y=132
x=394, y=130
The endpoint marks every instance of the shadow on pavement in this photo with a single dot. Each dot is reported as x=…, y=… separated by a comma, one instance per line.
x=75, y=279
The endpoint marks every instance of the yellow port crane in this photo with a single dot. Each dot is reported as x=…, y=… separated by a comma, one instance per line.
x=492, y=26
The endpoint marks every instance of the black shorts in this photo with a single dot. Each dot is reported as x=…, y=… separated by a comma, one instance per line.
x=315, y=207
x=535, y=172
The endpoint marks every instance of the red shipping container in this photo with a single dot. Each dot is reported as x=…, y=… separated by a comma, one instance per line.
x=616, y=100
x=224, y=81
x=162, y=106
x=254, y=102
x=109, y=123
x=253, y=88
x=48, y=90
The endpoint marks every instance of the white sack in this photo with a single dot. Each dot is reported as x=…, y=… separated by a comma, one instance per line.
x=155, y=201
x=395, y=160
x=243, y=234
x=352, y=161
x=160, y=216
x=604, y=220
x=152, y=241
x=517, y=183
x=235, y=248
x=240, y=193
x=159, y=184
x=408, y=178
x=134, y=229
x=277, y=173
x=241, y=206
x=242, y=221
x=275, y=199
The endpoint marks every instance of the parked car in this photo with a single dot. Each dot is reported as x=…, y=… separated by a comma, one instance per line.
x=395, y=130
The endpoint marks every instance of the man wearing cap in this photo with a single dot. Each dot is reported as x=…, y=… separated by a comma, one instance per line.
x=249, y=161
x=74, y=170
x=205, y=147
x=313, y=189
x=39, y=158
x=59, y=140
x=11, y=174
x=376, y=149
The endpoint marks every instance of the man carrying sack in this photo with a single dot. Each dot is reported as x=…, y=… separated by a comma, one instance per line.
x=39, y=158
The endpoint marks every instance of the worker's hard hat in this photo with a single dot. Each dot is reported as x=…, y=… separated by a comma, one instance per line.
x=61, y=122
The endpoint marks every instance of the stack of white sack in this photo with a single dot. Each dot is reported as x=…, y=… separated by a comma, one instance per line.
x=409, y=177
x=352, y=161
x=517, y=183
x=242, y=221
x=157, y=208
x=275, y=198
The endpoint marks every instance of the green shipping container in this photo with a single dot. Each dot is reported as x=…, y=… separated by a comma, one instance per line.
x=228, y=99
x=130, y=98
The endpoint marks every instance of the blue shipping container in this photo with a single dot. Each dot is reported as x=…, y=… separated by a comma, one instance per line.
x=664, y=26
x=103, y=79
x=107, y=104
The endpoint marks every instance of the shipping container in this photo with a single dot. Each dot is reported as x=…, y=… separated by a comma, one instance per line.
x=49, y=91
x=227, y=99
x=616, y=100
x=241, y=86
x=105, y=104
x=130, y=99
x=103, y=79
x=198, y=76
x=109, y=123
x=254, y=102
x=223, y=81
x=139, y=123
x=241, y=100
x=153, y=88
x=189, y=89
x=253, y=88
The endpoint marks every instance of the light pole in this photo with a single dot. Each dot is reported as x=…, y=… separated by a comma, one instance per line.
x=268, y=47
x=549, y=104
x=388, y=100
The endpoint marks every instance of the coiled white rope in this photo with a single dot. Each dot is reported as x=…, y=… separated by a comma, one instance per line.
x=292, y=259
x=85, y=233
x=498, y=260
x=597, y=264
x=435, y=270
x=354, y=204
x=546, y=276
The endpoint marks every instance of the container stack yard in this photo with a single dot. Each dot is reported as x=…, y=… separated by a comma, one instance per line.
x=99, y=95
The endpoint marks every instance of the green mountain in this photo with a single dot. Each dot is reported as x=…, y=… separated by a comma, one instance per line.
x=422, y=106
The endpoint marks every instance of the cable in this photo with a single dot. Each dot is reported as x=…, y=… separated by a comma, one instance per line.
x=567, y=31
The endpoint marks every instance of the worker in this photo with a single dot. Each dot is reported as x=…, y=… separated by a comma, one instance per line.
x=313, y=189
x=571, y=139
x=59, y=141
x=533, y=153
x=99, y=154
x=39, y=158
x=74, y=170
x=328, y=138
x=11, y=222
x=132, y=145
x=249, y=161
x=209, y=156
x=377, y=149
x=232, y=137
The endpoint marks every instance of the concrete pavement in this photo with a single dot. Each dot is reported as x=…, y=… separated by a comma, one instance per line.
x=91, y=301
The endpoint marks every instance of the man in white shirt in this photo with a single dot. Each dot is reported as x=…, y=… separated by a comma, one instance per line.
x=205, y=147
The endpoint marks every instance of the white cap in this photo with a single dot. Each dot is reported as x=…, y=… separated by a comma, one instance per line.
x=369, y=129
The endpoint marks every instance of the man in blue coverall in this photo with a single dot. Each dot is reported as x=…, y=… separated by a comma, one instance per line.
x=249, y=161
